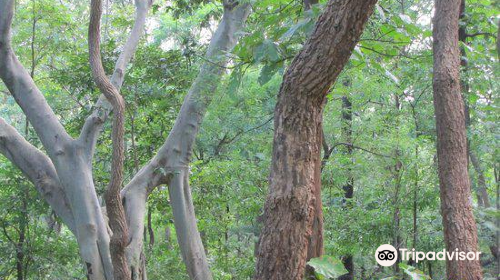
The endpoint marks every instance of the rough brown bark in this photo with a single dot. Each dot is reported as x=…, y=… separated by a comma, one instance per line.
x=290, y=207
x=114, y=207
x=458, y=221
x=315, y=248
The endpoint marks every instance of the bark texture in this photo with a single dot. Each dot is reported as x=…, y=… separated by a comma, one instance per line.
x=64, y=175
x=315, y=248
x=458, y=221
x=294, y=182
x=114, y=207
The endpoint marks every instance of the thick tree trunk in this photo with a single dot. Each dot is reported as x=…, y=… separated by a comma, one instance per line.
x=64, y=178
x=315, y=248
x=294, y=183
x=458, y=221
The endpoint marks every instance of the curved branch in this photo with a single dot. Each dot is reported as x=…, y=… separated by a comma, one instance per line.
x=93, y=124
x=114, y=207
x=175, y=154
x=38, y=168
x=24, y=90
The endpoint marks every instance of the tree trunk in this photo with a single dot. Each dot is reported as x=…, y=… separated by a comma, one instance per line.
x=315, y=248
x=397, y=174
x=150, y=229
x=64, y=175
x=348, y=188
x=295, y=172
x=20, y=246
x=189, y=239
x=456, y=208
x=170, y=166
x=114, y=207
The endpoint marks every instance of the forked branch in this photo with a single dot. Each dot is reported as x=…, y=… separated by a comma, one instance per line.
x=24, y=90
x=95, y=121
x=36, y=166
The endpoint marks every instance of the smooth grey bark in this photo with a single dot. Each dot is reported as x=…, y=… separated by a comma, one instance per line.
x=68, y=165
x=73, y=171
x=171, y=163
x=65, y=176
x=38, y=168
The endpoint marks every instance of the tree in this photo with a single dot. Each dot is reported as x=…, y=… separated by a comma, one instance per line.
x=458, y=221
x=295, y=181
x=64, y=175
x=348, y=188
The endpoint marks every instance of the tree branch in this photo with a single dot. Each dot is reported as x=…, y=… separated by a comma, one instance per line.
x=93, y=124
x=487, y=34
x=24, y=90
x=359, y=148
x=114, y=206
x=175, y=154
x=38, y=168
x=195, y=103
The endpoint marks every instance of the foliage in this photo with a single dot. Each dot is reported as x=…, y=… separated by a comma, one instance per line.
x=327, y=267
x=388, y=80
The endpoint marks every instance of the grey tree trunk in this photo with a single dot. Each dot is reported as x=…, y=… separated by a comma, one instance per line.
x=64, y=176
x=171, y=164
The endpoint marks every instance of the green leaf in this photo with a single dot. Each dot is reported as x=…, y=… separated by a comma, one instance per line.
x=328, y=267
x=234, y=81
x=267, y=51
x=290, y=32
x=268, y=71
x=473, y=98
